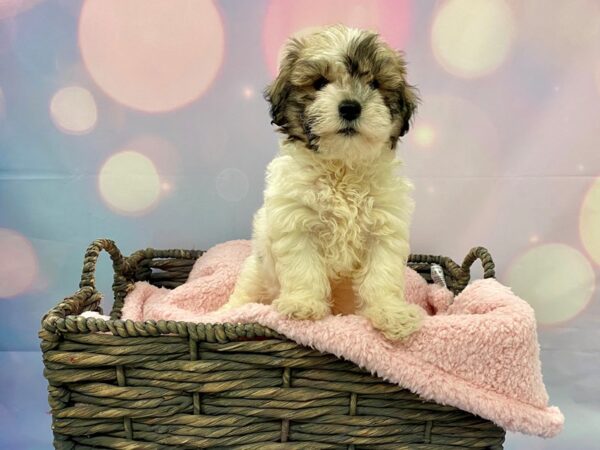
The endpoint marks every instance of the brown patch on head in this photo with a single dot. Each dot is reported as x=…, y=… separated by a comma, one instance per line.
x=361, y=56
x=287, y=99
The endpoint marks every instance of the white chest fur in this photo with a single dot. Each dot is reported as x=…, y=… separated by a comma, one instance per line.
x=342, y=208
x=343, y=204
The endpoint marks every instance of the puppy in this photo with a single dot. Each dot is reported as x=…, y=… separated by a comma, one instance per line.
x=333, y=230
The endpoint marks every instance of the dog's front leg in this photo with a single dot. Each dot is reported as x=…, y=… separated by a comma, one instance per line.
x=305, y=289
x=380, y=289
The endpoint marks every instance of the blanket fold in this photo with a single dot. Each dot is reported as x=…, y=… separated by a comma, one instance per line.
x=477, y=351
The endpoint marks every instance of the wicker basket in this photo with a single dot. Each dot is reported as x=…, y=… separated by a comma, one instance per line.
x=175, y=385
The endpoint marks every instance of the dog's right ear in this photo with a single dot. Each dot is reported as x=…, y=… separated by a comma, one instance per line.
x=278, y=92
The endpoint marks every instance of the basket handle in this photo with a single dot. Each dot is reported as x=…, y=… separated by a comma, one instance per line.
x=462, y=274
x=121, y=283
x=481, y=253
x=87, y=298
x=91, y=258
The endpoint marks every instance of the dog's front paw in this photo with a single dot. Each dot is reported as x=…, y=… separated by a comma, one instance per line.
x=396, y=320
x=302, y=308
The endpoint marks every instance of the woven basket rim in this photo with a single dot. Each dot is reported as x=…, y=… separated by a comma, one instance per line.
x=65, y=317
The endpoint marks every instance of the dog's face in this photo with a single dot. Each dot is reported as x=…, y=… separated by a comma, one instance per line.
x=343, y=93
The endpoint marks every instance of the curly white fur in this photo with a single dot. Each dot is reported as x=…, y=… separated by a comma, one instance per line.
x=335, y=217
x=322, y=223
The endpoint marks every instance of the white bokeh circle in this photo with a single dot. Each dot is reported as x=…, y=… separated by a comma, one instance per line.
x=555, y=279
x=129, y=183
x=73, y=110
x=471, y=38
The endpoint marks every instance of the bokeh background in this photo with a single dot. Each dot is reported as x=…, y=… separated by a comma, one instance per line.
x=143, y=121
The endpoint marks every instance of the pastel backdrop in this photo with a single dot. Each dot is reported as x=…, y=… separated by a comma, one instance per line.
x=143, y=121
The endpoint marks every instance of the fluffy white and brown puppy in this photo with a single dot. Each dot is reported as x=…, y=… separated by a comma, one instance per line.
x=333, y=231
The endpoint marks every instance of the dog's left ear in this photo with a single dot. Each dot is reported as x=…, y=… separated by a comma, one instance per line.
x=405, y=99
x=408, y=100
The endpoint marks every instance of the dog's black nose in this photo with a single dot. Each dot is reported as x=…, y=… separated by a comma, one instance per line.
x=349, y=109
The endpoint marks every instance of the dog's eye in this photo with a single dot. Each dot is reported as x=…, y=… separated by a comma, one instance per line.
x=320, y=83
x=374, y=84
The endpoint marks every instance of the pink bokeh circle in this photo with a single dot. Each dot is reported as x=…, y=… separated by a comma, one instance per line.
x=152, y=55
x=18, y=263
x=285, y=18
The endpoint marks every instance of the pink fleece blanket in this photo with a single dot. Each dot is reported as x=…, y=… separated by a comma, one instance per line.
x=478, y=351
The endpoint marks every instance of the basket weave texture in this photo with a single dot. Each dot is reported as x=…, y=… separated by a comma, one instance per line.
x=154, y=385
